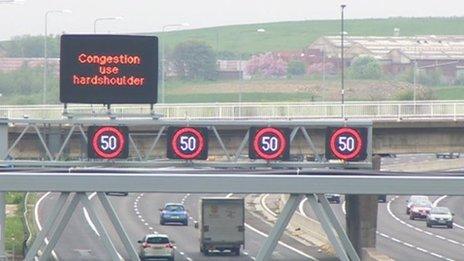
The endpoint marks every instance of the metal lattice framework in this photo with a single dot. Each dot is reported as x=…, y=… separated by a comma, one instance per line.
x=309, y=184
x=214, y=183
x=143, y=158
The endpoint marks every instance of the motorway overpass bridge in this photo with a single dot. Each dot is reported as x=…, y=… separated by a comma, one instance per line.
x=61, y=141
x=398, y=127
x=227, y=137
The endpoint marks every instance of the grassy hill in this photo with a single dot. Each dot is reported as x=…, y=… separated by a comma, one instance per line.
x=289, y=36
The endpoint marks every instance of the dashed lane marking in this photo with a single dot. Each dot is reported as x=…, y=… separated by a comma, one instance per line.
x=144, y=222
x=389, y=237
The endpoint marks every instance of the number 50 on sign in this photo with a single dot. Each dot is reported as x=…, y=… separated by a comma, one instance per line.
x=346, y=143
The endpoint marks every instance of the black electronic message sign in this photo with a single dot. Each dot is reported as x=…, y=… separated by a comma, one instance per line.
x=108, y=69
x=269, y=143
x=187, y=143
x=108, y=142
x=346, y=143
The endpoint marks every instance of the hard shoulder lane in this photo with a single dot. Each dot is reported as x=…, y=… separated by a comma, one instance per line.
x=416, y=232
x=78, y=242
x=456, y=205
x=389, y=238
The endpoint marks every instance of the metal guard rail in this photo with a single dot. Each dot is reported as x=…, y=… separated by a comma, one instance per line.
x=232, y=111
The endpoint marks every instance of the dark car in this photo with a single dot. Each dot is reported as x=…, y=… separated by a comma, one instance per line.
x=382, y=198
x=174, y=213
x=333, y=198
x=440, y=216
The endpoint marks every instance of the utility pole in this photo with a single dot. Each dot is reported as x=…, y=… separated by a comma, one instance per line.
x=343, y=60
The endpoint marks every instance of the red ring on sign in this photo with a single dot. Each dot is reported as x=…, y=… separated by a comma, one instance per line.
x=357, y=137
x=197, y=152
x=103, y=154
x=282, y=143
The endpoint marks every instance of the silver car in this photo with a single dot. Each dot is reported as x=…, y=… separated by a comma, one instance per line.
x=440, y=216
x=156, y=246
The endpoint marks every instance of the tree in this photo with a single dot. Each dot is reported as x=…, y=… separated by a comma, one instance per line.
x=296, y=67
x=268, y=65
x=365, y=68
x=31, y=46
x=194, y=60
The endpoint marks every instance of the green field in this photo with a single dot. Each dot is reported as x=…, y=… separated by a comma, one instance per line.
x=449, y=93
x=294, y=36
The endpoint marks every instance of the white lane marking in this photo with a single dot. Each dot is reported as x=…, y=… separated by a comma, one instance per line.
x=380, y=233
x=90, y=222
x=280, y=242
x=301, y=206
x=36, y=216
x=414, y=227
x=414, y=247
x=344, y=207
x=263, y=204
x=87, y=217
x=156, y=232
x=407, y=244
x=421, y=249
x=437, y=201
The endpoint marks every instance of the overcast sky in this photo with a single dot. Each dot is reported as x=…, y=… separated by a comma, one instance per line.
x=151, y=15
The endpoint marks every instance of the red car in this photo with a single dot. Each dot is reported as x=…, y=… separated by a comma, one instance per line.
x=420, y=210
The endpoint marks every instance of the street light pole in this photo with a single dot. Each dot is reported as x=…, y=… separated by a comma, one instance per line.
x=44, y=97
x=343, y=60
x=163, y=60
x=260, y=30
x=104, y=19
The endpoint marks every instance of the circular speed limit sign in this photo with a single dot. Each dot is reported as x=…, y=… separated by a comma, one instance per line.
x=346, y=143
x=108, y=142
x=269, y=143
x=188, y=143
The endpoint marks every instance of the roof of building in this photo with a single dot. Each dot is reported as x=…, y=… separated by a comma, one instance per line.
x=421, y=47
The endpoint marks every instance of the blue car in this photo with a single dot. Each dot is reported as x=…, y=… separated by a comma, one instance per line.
x=174, y=213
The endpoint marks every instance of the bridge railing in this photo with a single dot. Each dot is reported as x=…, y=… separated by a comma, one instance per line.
x=314, y=110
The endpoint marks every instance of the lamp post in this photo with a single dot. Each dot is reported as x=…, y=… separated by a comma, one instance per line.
x=104, y=19
x=44, y=97
x=343, y=59
x=260, y=30
x=163, y=60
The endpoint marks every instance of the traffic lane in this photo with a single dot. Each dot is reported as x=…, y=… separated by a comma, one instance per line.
x=134, y=223
x=416, y=234
x=78, y=241
x=387, y=242
x=254, y=240
x=186, y=237
x=408, y=158
x=456, y=206
x=452, y=235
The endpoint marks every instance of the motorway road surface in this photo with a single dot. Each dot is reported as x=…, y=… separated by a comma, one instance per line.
x=139, y=215
x=397, y=236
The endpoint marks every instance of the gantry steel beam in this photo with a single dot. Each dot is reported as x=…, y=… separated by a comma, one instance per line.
x=295, y=182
